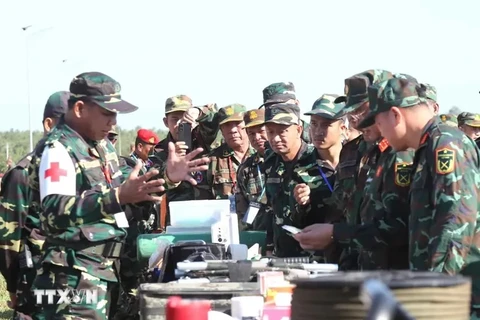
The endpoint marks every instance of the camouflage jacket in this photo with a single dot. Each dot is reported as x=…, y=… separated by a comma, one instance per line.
x=78, y=184
x=346, y=193
x=207, y=136
x=382, y=236
x=282, y=177
x=19, y=213
x=444, y=205
x=251, y=188
x=222, y=172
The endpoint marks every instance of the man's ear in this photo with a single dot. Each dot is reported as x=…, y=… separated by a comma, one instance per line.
x=79, y=108
x=300, y=129
x=48, y=124
x=165, y=122
x=397, y=115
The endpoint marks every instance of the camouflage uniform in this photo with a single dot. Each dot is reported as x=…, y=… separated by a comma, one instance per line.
x=20, y=228
x=283, y=92
x=449, y=120
x=469, y=119
x=348, y=191
x=283, y=176
x=444, y=196
x=205, y=135
x=222, y=172
x=251, y=180
x=78, y=184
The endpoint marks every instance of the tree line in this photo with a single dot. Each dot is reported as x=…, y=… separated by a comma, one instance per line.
x=15, y=144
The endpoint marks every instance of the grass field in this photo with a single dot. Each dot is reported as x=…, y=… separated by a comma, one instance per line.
x=5, y=312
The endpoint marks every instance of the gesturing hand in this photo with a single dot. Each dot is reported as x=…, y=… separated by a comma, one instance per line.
x=301, y=192
x=315, y=237
x=136, y=188
x=179, y=167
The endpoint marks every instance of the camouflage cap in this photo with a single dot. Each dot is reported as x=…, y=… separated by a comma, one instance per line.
x=469, y=119
x=178, y=103
x=57, y=105
x=232, y=112
x=326, y=107
x=101, y=89
x=430, y=92
x=395, y=92
x=254, y=118
x=278, y=92
x=356, y=88
x=449, y=120
x=283, y=113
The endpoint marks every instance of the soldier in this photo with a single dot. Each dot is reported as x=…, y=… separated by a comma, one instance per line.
x=382, y=235
x=142, y=220
x=204, y=121
x=145, y=142
x=444, y=192
x=349, y=185
x=284, y=92
x=469, y=123
x=293, y=162
x=449, y=120
x=250, y=196
x=225, y=160
x=20, y=209
x=327, y=132
x=82, y=192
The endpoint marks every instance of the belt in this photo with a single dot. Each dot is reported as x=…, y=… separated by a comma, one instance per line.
x=107, y=250
x=111, y=249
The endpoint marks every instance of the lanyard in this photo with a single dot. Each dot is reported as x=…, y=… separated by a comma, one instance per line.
x=262, y=185
x=325, y=179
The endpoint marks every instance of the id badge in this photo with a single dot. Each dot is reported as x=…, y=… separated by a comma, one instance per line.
x=252, y=212
x=121, y=220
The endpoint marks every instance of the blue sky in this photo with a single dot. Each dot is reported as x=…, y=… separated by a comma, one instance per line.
x=227, y=51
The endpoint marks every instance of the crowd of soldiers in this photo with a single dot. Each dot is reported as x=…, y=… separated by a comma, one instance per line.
x=376, y=180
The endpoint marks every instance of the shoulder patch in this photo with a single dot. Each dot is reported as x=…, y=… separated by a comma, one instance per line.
x=56, y=174
x=403, y=172
x=444, y=160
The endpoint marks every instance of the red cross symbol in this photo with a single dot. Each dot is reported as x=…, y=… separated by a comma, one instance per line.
x=55, y=172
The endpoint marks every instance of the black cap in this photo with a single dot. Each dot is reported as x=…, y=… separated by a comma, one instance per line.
x=100, y=89
x=57, y=105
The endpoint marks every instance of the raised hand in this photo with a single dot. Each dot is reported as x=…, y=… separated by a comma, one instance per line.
x=136, y=188
x=179, y=167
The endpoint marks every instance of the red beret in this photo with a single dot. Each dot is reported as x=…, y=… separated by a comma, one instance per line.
x=148, y=136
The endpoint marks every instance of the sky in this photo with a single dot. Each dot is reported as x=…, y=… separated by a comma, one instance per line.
x=226, y=51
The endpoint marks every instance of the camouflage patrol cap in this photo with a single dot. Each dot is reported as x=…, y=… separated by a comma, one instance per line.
x=278, y=92
x=283, y=113
x=178, y=103
x=254, y=118
x=326, y=107
x=449, y=120
x=469, y=119
x=232, y=112
x=57, y=105
x=430, y=92
x=395, y=92
x=101, y=89
x=356, y=88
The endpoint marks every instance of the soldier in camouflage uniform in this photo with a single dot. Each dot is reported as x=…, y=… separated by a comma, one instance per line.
x=469, y=123
x=225, y=160
x=444, y=193
x=349, y=185
x=431, y=95
x=142, y=220
x=20, y=230
x=82, y=194
x=293, y=162
x=327, y=130
x=251, y=200
x=284, y=92
x=205, y=134
x=449, y=120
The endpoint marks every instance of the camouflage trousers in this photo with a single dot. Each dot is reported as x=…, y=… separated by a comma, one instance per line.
x=25, y=298
x=62, y=278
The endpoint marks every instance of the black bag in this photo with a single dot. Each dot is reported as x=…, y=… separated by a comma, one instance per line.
x=192, y=251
